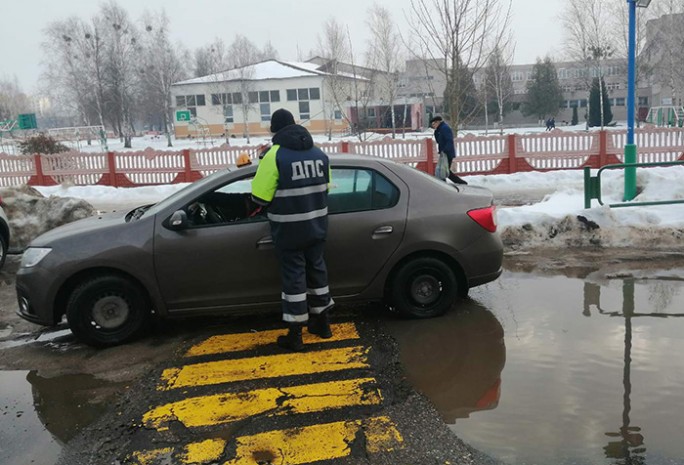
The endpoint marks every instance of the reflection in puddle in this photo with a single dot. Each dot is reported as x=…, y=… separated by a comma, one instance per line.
x=46, y=412
x=593, y=371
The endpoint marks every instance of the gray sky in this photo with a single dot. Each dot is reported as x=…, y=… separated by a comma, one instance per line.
x=290, y=26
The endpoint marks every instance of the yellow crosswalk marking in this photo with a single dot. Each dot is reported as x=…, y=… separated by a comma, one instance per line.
x=224, y=408
x=292, y=446
x=247, y=341
x=272, y=366
x=313, y=443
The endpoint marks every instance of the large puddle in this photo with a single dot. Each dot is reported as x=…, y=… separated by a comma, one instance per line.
x=39, y=414
x=541, y=370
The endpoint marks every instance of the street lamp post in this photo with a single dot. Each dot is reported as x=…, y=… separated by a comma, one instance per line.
x=630, y=147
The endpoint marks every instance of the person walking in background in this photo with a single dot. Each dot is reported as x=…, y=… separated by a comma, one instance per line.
x=445, y=144
x=292, y=180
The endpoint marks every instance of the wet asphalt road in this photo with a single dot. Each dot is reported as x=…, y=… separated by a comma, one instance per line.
x=92, y=402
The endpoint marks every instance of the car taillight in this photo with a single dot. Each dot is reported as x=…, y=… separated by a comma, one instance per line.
x=484, y=217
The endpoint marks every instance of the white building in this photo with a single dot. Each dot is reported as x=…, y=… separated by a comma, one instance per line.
x=240, y=101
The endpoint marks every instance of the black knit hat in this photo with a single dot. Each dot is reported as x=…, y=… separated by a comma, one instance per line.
x=280, y=119
x=436, y=118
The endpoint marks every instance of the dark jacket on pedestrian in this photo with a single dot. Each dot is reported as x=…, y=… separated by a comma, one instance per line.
x=292, y=179
x=445, y=141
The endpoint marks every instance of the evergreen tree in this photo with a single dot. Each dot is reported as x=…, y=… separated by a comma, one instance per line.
x=575, y=117
x=595, y=104
x=544, y=94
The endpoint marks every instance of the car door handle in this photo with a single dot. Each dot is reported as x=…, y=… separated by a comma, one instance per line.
x=265, y=243
x=383, y=230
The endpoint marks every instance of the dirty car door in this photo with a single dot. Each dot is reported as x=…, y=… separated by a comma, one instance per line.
x=216, y=265
x=367, y=218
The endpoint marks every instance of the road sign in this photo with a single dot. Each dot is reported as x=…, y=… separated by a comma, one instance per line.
x=183, y=115
x=27, y=121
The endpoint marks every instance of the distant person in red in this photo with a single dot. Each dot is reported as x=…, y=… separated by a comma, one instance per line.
x=445, y=144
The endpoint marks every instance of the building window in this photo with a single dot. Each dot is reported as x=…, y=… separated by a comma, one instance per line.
x=338, y=115
x=643, y=101
x=564, y=104
x=275, y=96
x=265, y=109
x=228, y=113
x=304, y=113
x=312, y=93
x=620, y=102
x=583, y=103
x=370, y=112
x=253, y=97
x=191, y=102
x=221, y=99
x=237, y=98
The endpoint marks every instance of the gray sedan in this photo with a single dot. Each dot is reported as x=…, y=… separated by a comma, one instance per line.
x=396, y=235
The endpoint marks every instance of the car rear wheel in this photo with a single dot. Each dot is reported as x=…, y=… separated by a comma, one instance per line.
x=107, y=310
x=3, y=250
x=423, y=288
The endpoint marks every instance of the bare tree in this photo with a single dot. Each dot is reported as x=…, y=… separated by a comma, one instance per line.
x=12, y=100
x=385, y=55
x=587, y=25
x=211, y=58
x=243, y=55
x=123, y=50
x=161, y=66
x=333, y=46
x=498, y=78
x=458, y=33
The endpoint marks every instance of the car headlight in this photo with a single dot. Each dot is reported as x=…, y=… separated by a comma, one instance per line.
x=33, y=255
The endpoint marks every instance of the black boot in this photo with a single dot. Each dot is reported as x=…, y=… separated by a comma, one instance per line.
x=456, y=179
x=293, y=340
x=320, y=326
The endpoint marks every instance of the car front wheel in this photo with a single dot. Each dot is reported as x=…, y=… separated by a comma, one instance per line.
x=107, y=310
x=423, y=288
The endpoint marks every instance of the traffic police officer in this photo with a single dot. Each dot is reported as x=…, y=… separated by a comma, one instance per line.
x=292, y=180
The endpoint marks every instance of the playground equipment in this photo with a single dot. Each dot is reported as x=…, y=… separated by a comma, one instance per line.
x=666, y=116
x=76, y=135
x=199, y=128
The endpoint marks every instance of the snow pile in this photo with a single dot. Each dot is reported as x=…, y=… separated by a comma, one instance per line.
x=30, y=214
x=560, y=220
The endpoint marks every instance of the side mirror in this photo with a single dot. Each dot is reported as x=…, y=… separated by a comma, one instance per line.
x=178, y=221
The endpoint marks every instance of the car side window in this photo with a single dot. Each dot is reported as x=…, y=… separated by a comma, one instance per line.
x=228, y=204
x=357, y=189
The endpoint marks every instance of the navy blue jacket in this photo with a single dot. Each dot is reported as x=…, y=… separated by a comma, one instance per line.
x=445, y=141
x=292, y=179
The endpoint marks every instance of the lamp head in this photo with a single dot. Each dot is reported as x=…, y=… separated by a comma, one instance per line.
x=643, y=3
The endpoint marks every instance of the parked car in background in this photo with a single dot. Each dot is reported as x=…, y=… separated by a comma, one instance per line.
x=4, y=235
x=396, y=235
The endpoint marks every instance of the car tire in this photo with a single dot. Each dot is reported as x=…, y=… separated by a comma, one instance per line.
x=107, y=310
x=423, y=288
x=3, y=250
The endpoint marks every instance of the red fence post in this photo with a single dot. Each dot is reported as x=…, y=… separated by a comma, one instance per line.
x=430, y=151
x=111, y=165
x=187, y=168
x=40, y=177
x=345, y=146
x=603, y=149
x=512, y=160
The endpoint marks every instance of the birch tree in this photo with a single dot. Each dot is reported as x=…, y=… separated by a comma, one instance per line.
x=385, y=55
x=498, y=80
x=162, y=65
x=459, y=34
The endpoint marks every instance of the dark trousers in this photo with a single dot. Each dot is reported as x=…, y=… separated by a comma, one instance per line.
x=305, y=282
x=453, y=177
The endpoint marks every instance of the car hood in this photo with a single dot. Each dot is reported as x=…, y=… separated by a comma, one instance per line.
x=86, y=226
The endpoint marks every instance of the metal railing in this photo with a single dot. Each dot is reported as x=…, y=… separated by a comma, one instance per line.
x=592, y=184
